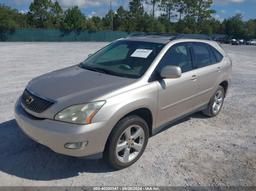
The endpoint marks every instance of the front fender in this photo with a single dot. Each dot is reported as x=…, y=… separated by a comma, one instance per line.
x=119, y=106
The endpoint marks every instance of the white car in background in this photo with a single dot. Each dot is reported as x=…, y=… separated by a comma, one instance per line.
x=252, y=42
x=241, y=41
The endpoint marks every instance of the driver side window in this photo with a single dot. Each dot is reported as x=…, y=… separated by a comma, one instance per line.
x=177, y=55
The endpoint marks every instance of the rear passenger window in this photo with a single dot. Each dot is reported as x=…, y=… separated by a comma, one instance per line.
x=178, y=55
x=217, y=55
x=202, y=55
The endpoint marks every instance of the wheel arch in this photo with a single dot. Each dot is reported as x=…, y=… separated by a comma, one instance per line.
x=143, y=112
x=225, y=85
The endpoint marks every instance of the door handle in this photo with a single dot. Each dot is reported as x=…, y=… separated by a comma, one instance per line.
x=194, y=78
x=219, y=69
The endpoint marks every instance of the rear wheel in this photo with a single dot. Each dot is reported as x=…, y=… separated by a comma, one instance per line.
x=216, y=103
x=127, y=142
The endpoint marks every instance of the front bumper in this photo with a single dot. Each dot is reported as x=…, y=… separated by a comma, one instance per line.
x=56, y=135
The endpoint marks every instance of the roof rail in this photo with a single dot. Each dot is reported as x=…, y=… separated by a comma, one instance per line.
x=193, y=36
x=151, y=34
x=171, y=36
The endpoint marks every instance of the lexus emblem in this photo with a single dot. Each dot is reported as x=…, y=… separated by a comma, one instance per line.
x=29, y=100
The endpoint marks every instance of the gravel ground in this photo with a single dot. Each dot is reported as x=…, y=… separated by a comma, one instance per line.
x=196, y=151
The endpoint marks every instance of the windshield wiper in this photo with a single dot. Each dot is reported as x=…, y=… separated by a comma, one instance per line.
x=100, y=70
x=105, y=71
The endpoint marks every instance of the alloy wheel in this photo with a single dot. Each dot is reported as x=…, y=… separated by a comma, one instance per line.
x=218, y=101
x=130, y=143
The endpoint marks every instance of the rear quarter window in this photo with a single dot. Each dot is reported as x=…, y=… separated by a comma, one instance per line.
x=217, y=54
x=202, y=55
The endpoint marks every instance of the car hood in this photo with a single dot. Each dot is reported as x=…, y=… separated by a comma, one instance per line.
x=77, y=84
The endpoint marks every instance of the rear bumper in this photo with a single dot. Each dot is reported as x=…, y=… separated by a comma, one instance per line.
x=56, y=135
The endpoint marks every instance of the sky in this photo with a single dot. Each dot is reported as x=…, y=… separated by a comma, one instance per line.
x=224, y=8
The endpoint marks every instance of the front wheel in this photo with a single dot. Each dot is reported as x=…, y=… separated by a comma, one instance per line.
x=127, y=142
x=215, y=103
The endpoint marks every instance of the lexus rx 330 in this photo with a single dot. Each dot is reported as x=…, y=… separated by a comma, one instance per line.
x=111, y=103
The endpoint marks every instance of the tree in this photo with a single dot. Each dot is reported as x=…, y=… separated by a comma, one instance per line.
x=94, y=24
x=136, y=8
x=203, y=10
x=167, y=6
x=180, y=7
x=39, y=13
x=121, y=19
x=234, y=26
x=108, y=20
x=200, y=10
x=153, y=3
x=136, y=15
x=153, y=25
x=10, y=20
x=56, y=14
x=74, y=20
x=45, y=14
x=250, y=26
x=179, y=16
x=168, y=26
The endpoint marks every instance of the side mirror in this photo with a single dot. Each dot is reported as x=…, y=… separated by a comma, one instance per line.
x=171, y=72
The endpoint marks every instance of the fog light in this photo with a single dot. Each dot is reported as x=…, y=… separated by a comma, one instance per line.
x=76, y=145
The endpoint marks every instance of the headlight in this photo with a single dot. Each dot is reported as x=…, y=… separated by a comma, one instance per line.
x=80, y=114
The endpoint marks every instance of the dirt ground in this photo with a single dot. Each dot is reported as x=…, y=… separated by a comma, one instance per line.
x=196, y=151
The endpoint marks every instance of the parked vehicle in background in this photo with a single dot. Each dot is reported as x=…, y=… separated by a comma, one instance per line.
x=252, y=42
x=242, y=42
x=234, y=41
x=111, y=103
x=219, y=38
x=227, y=40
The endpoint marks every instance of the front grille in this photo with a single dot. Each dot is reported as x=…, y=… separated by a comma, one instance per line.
x=34, y=103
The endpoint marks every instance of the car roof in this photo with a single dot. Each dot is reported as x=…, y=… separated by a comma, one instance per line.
x=166, y=38
x=151, y=38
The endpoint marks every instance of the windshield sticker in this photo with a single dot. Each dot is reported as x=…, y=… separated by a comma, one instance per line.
x=141, y=53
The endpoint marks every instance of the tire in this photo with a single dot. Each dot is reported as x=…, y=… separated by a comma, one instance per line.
x=116, y=156
x=212, y=109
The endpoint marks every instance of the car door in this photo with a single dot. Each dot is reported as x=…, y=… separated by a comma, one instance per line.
x=208, y=69
x=176, y=96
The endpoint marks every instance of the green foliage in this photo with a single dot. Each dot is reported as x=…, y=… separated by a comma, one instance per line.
x=94, y=24
x=199, y=10
x=121, y=20
x=154, y=4
x=177, y=16
x=10, y=20
x=234, y=26
x=45, y=14
x=250, y=28
x=74, y=20
x=136, y=16
x=107, y=21
x=136, y=8
x=56, y=15
x=167, y=6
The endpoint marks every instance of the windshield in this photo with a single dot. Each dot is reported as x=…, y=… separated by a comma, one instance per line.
x=123, y=58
